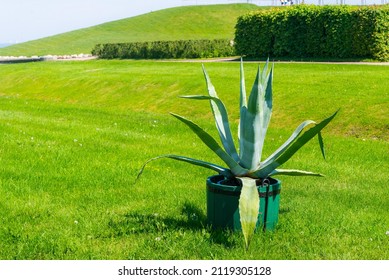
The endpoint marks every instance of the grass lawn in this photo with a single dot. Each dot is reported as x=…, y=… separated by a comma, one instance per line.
x=74, y=135
x=179, y=23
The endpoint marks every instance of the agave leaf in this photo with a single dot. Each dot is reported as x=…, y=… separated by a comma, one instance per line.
x=222, y=123
x=221, y=118
x=243, y=99
x=255, y=121
x=264, y=72
x=287, y=143
x=321, y=144
x=248, y=208
x=267, y=169
x=221, y=170
x=294, y=172
x=208, y=140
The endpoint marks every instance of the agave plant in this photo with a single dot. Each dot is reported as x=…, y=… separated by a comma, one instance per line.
x=247, y=165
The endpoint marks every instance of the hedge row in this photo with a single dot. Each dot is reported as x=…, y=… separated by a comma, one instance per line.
x=166, y=49
x=315, y=31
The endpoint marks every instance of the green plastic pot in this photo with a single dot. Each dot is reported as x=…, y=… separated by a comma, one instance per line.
x=223, y=203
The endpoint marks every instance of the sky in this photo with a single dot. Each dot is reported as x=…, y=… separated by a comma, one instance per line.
x=25, y=20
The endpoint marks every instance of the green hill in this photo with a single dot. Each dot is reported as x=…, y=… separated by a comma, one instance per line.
x=189, y=22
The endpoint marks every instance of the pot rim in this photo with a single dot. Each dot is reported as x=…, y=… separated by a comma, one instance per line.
x=214, y=184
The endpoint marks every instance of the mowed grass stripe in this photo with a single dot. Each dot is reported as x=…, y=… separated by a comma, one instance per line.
x=301, y=91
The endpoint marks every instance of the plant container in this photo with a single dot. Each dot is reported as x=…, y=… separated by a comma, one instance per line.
x=223, y=203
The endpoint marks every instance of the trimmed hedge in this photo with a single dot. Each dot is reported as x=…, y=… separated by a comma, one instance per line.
x=166, y=49
x=308, y=31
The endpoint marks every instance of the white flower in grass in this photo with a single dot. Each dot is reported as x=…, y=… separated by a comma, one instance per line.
x=158, y=238
x=193, y=217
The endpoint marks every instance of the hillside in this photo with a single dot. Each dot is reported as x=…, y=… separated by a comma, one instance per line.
x=189, y=22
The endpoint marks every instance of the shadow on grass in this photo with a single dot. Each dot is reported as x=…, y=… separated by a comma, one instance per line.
x=192, y=218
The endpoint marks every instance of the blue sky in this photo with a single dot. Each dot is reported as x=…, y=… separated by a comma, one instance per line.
x=24, y=20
